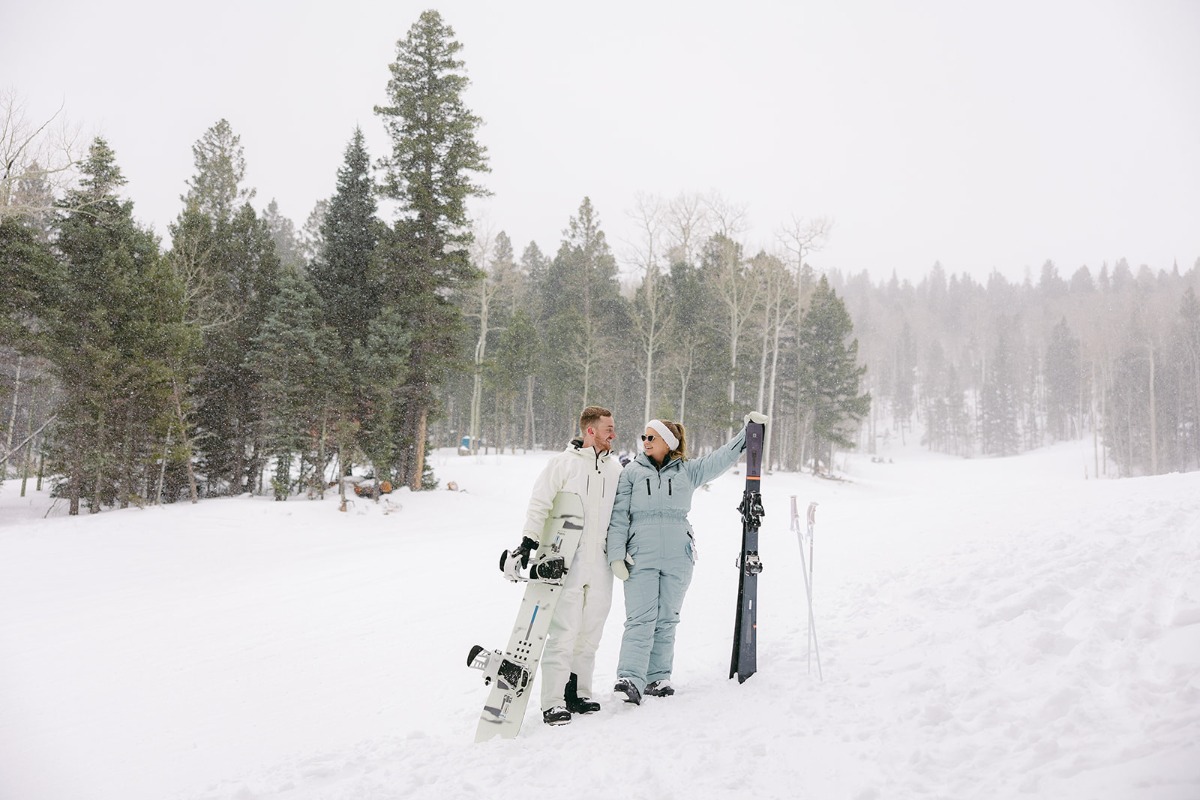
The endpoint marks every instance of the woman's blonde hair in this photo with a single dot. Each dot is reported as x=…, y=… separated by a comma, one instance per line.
x=677, y=429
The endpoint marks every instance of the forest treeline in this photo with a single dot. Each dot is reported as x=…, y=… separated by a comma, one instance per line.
x=241, y=353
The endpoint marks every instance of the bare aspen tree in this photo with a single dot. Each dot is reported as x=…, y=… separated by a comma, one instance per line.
x=44, y=152
x=652, y=311
x=688, y=225
x=12, y=417
x=735, y=289
x=485, y=289
x=779, y=310
x=801, y=237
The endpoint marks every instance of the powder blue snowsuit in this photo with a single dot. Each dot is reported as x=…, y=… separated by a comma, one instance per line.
x=649, y=523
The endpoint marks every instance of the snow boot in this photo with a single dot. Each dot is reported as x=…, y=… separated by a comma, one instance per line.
x=556, y=716
x=575, y=703
x=661, y=688
x=632, y=695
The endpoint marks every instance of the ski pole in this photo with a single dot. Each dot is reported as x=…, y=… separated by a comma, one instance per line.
x=812, y=560
x=806, y=567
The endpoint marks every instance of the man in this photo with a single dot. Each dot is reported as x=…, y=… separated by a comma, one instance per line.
x=589, y=469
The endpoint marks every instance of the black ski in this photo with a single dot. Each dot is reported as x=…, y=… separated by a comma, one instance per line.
x=745, y=629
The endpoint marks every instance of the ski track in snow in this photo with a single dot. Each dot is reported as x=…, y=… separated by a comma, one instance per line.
x=989, y=628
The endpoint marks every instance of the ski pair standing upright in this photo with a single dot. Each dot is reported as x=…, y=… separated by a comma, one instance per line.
x=745, y=629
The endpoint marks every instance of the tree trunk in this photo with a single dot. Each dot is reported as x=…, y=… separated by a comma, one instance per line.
x=1153, y=418
x=98, y=478
x=162, y=469
x=12, y=417
x=187, y=443
x=418, y=469
x=530, y=434
x=29, y=447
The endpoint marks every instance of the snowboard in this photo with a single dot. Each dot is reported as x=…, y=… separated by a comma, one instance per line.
x=745, y=628
x=509, y=672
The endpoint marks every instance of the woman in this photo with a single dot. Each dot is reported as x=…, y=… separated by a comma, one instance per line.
x=651, y=548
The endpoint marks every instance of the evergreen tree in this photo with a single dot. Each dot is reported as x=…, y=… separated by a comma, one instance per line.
x=216, y=189
x=225, y=255
x=733, y=294
x=311, y=239
x=697, y=353
x=283, y=233
x=905, y=385
x=115, y=328
x=382, y=361
x=26, y=263
x=829, y=374
x=1128, y=433
x=429, y=172
x=1000, y=410
x=583, y=312
x=1062, y=379
x=1188, y=358
x=518, y=354
x=293, y=359
x=342, y=269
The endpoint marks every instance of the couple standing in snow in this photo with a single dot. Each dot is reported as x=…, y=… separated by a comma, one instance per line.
x=641, y=536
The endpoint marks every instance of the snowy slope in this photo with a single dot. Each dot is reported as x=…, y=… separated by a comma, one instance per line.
x=989, y=628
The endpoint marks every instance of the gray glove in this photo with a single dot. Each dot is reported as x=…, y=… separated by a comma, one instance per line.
x=756, y=416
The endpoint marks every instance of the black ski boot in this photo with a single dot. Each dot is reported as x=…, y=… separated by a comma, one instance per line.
x=632, y=695
x=575, y=703
x=556, y=716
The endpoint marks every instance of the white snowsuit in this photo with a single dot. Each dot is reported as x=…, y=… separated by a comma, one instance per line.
x=587, y=595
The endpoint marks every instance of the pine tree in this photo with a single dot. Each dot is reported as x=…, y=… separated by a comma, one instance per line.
x=1062, y=382
x=904, y=394
x=216, y=189
x=341, y=272
x=829, y=374
x=26, y=262
x=429, y=172
x=115, y=328
x=1000, y=411
x=283, y=233
x=518, y=354
x=225, y=256
x=382, y=362
x=583, y=313
x=1188, y=358
x=697, y=353
x=294, y=359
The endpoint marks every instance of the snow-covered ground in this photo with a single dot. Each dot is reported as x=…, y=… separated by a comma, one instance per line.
x=988, y=628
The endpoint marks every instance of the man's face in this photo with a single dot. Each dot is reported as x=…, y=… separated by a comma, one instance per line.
x=603, y=432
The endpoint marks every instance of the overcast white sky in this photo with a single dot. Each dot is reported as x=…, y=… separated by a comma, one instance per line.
x=986, y=136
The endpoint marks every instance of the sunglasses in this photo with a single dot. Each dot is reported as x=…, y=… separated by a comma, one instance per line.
x=646, y=438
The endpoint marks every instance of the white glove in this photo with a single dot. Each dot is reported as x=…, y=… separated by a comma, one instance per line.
x=756, y=416
x=621, y=568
